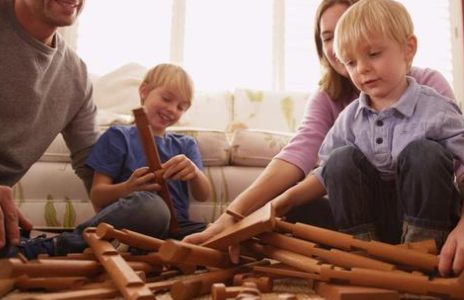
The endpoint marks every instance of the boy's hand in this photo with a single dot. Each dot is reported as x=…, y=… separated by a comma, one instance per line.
x=179, y=167
x=452, y=254
x=142, y=180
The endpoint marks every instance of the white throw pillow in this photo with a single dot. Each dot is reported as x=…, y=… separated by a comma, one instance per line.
x=118, y=91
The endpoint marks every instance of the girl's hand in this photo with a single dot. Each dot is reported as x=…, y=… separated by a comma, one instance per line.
x=142, y=180
x=180, y=167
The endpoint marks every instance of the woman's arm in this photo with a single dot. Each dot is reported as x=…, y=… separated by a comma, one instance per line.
x=277, y=177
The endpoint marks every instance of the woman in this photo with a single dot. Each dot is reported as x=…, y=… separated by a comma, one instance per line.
x=298, y=158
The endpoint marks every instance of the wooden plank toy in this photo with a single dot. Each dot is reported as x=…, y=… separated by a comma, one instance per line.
x=153, y=161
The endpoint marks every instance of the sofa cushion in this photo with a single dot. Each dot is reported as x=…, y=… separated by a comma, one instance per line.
x=257, y=147
x=213, y=144
x=269, y=110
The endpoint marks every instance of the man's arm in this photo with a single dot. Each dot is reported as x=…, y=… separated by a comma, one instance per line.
x=78, y=163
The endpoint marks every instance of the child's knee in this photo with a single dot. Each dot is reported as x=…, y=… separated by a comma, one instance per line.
x=425, y=154
x=344, y=158
x=152, y=214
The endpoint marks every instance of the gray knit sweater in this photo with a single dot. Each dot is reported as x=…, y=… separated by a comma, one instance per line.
x=44, y=91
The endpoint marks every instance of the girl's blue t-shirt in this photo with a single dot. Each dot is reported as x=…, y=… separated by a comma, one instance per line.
x=118, y=153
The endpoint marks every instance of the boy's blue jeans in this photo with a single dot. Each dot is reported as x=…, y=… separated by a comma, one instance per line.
x=422, y=203
x=143, y=212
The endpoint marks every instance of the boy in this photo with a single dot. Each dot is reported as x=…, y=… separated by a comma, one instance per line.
x=123, y=192
x=388, y=162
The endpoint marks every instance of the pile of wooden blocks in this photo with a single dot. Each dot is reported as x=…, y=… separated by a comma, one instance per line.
x=335, y=265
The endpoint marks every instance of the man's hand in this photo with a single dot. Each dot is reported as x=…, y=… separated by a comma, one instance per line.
x=10, y=218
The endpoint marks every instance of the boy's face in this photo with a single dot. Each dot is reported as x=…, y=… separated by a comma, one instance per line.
x=379, y=67
x=164, y=108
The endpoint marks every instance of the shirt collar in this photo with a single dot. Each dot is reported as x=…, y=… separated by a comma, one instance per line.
x=405, y=104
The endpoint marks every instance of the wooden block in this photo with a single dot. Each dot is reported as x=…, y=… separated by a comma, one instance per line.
x=427, y=246
x=151, y=152
x=126, y=280
x=333, y=256
x=13, y=267
x=99, y=293
x=264, y=283
x=6, y=286
x=219, y=291
x=281, y=270
x=249, y=291
x=107, y=232
x=295, y=260
x=179, y=252
x=347, y=292
x=260, y=221
x=402, y=282
x=422, y=261
x=201, y=284
x=50, y=283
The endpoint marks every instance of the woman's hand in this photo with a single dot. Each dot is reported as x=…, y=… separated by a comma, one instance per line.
x=451, y=259
x=223, y=222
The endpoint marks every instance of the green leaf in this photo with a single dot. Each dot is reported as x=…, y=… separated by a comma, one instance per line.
x=255, y=96
x=287, y=106
x=69, y=220
x=50, y=213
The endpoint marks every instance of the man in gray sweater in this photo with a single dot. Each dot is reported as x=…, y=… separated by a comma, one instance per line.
x=44, y=91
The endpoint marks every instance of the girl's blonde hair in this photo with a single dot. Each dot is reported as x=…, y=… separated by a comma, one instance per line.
x=337, y=86
x=171, y=77
x=370, y=18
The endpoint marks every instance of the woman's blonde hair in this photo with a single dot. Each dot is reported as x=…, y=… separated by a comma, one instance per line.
x=337, y=86
x=370, y=18
x=171, y=77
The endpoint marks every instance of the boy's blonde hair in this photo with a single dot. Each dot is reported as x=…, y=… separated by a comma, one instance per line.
x=370, y=18
x=171, y=77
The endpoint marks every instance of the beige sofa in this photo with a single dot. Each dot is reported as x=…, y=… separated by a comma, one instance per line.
x=238, y=133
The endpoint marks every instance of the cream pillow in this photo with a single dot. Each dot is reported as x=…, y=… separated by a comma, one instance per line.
x=256, y=148
x=269, y=110
x=118, y=91
x=211, y=109
x=213, y=144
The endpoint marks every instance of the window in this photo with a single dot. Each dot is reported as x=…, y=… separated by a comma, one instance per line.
x=114, y=32
x=266, y=44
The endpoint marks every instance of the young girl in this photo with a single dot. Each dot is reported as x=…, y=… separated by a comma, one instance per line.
x=123, y=192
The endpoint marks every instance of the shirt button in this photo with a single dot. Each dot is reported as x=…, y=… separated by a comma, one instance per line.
x=379, y=123
x=379, y=140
